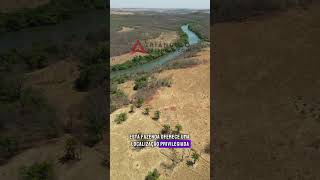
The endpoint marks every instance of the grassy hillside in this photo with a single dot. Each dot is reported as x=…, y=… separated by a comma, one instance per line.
x=226, y=10
x=50, y=13
x=267, y=89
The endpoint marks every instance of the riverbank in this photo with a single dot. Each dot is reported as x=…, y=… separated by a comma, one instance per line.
x=154, y=54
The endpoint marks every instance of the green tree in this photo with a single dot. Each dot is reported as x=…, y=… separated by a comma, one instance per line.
x=146, y=111
x=153, y=175
x=37, y=171
x=121, y=118
x=166, y=129
x=70, y=148
x=156, y=115
x=8, y=147
x=178, y=128
x=195, y=156
x=139, y=102
x=131, y=109
x=140, y=82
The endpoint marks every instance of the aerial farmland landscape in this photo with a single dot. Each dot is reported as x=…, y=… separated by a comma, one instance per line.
x=165, y=90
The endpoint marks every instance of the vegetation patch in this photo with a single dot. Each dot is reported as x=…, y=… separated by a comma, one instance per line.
x=54, y=12
x=153, y=53
x=8, y=148
x=121, y=118
x=153, y=175
x=37, y=171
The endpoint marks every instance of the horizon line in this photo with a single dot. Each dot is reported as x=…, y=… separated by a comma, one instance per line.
x=158, y=8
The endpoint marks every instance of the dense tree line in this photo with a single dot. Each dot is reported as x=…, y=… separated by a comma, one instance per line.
x=153, y=53
x=54, y=12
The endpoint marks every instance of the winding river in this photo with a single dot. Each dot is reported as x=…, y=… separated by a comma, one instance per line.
x=192, y=39
x=80, y=26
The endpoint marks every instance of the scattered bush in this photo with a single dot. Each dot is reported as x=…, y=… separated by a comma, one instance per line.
x=180, y=64
x=178, y=128
x=91, y=77
x=166, y=129
x=156, y=83
x=131, y=109
x=156, y=115
x=10, y=88
x=120, y=79
x=153, y=53
x=71, y=150
x=37, y=171
x=154, y=175
x=118, y=98
x=8, y=148
x=139, y=102
x=36, y=61
x=140, y=82
x=189, y=163
x=121, y=118
x=146, y=111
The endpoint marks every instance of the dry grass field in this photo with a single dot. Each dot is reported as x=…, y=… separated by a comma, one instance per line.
x=186, y=103
x=264, y=67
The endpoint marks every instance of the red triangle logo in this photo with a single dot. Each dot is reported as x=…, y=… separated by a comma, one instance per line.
x=137, y=47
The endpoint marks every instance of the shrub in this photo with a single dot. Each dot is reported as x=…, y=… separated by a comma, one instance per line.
x=131, y=109
x=8, y=147
x=33, y=98
x=156, y=115
x=121, y=118
x=153, y=175
x=146, y=111
x=91, y=77
x=140, y=82
x=120, y=79
x=139, y=102
x=10, y=89
x=178, y=128
x=190, y=163
x=37, y=171
x=70, y=148
x=36, y=60
x=195, y=156
x=166, y=129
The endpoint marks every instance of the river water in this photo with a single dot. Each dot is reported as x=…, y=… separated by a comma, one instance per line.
x=192, y=39
x=80, y=25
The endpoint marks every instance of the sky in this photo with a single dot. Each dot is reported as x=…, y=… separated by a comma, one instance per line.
x=176, y=4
